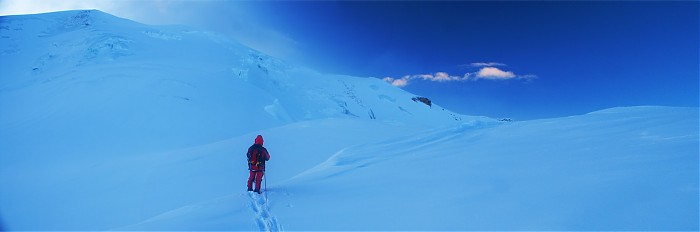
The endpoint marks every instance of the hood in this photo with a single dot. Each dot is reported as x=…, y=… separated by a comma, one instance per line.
x=259, y=140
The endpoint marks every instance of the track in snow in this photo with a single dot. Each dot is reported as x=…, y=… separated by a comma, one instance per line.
x=264, y=220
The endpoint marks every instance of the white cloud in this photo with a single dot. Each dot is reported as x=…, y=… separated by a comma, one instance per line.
x=494, y=73
x=400, y=82
x=487, y=64
x=438, y=77
x=485, y=72
x=397, y=82
x=443, y=76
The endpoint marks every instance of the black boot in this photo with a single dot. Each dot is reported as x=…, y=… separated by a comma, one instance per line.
x=258, y=191
x=250, y=189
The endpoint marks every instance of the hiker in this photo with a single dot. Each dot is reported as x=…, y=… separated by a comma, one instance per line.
x=257, y=155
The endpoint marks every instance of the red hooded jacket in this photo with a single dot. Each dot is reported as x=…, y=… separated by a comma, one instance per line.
x=257, y=155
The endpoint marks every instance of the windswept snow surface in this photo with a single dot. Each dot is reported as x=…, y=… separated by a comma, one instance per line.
x=618, y=169
x=107, y=124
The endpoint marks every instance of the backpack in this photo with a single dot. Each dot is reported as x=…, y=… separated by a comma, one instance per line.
x=255, y=157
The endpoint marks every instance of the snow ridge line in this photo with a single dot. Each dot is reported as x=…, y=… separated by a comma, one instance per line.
x=263, y=219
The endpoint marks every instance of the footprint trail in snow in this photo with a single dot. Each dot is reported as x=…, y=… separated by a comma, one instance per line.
x=264, y=220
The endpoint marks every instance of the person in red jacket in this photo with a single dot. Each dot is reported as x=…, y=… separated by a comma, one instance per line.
x=257, y=155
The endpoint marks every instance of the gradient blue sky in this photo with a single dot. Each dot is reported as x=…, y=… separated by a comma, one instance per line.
x=521, y=59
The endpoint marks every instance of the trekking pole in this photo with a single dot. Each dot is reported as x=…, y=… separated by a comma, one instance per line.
x=265, y=188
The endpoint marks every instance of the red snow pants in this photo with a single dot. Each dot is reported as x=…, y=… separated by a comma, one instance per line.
x=257, y=177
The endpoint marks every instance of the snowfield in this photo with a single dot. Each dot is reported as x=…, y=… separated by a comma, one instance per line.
x=108, y=124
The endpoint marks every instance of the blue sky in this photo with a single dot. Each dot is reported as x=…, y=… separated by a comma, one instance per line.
x=522, y=59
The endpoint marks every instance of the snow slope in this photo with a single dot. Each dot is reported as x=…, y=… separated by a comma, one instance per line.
x=619, y=169
x=161, y=84
x=108, y=124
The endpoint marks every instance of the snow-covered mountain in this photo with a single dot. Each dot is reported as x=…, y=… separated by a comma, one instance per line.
x=173, y=84
x=106, y=123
